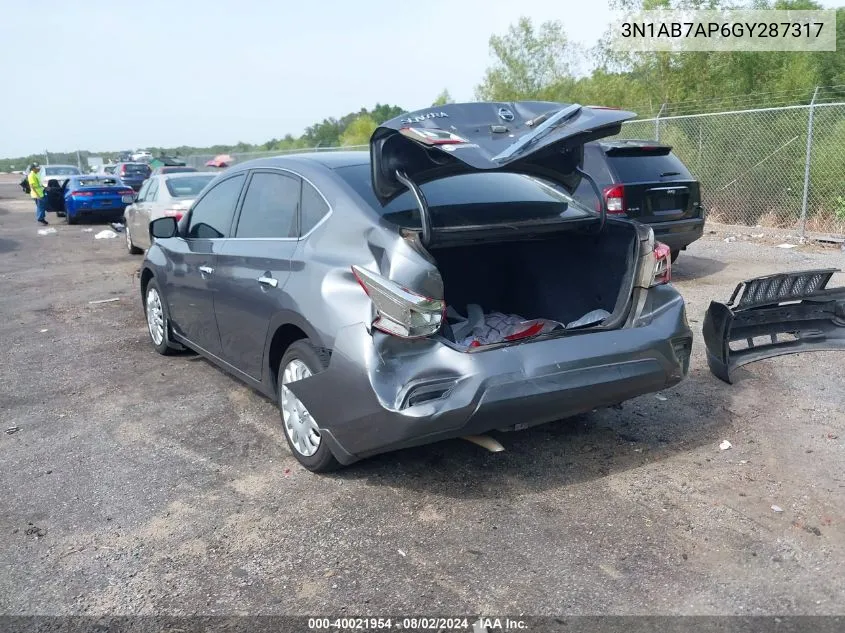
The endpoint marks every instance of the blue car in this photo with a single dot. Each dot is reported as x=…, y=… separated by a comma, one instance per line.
x=95, y=197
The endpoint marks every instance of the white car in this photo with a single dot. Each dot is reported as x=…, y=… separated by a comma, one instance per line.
x=59, y=173
x=161, y=195
x=142, y=155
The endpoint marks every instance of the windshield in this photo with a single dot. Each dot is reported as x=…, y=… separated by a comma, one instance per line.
x=61, y=171
x=471, y=199
x=134, y=168
x=188, y=186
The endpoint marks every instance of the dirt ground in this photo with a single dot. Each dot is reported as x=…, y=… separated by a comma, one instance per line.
x=139, y=484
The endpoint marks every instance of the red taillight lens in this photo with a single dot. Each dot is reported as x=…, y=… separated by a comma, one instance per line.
x=123, y=170
x=174, y=213
x=614, y=197
x=82, y=194
x=400, y=312
x=126, y=192
x=662, y=264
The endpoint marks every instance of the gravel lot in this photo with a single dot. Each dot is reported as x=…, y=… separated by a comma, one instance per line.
x=139, y=484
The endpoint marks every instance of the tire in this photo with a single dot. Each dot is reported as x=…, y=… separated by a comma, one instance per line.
x=133, y=250
x=303, y=353
x=163, y=346
x=675, y=255
x=70, y=219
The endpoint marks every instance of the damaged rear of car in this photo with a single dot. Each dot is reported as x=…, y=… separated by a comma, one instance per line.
x=770, y=316
x=474, y=292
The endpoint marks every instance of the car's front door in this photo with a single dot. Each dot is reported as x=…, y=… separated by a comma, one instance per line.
x=133, y=215
x=192, y=283
x=254, y=265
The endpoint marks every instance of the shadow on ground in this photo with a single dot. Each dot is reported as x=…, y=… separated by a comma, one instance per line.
x=689, y=267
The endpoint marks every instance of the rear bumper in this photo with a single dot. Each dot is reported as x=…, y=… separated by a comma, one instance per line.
x=813, y=320
x=388, y=393
x=678, y=234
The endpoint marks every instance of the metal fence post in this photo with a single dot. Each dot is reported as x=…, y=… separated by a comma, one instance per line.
x=807, y=164
x=657, y=123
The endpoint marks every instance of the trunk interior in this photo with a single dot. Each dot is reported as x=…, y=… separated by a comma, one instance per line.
x=559, y=277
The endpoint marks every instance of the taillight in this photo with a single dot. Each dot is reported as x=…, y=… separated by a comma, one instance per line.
x=400, y=312
x=174, y=213
x=662, y=264
x=84, y=194
x=126, y=192
x=614, y=197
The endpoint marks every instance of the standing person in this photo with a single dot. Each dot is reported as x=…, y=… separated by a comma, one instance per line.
x=36, y=190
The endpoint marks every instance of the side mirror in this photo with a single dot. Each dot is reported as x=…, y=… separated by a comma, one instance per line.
x=165, y=227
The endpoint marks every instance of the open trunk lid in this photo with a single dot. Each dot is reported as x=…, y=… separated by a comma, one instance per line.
x=530, y=137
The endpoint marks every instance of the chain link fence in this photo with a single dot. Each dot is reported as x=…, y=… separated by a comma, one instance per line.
x=757, y=168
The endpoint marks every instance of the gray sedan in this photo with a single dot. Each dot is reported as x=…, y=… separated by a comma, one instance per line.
x=161, y=196
x=444, y=284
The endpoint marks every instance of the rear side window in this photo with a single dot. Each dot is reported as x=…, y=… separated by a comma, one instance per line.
x=269, y=207
x=211, y=217
x=314, y=208
x=152, y=192
x=644, y=167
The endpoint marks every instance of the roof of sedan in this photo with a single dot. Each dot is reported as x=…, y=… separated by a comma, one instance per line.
x=330, y=159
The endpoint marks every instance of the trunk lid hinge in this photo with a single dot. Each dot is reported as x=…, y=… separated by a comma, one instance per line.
x=422, y=205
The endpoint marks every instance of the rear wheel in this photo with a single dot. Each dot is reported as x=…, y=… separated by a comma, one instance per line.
x=302, y=360
x=675, y=255
x=130, y=246
x=70, y=219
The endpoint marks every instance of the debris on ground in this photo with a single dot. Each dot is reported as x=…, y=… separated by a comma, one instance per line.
x=104, y=235
x=485, y=441
x=50, y=231
x=784, y=245
x=42, y=331
x=104, y=300
x=12, y=429
x=117, y=226
x=401, y=553
x=34, y=530
x=661, y=398
x=731, y=238
x=758, y=235
x=725, y=445
x=777, y=508
x=87, y=230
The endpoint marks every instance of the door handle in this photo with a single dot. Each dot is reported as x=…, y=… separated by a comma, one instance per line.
x=206, y=270
x=269, y=281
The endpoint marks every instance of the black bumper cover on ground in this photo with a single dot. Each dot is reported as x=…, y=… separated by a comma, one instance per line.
x=793, y=312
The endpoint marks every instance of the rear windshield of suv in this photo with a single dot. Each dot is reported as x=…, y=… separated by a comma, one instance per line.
x=645, y=167
x=129, y=168
x=476, y=198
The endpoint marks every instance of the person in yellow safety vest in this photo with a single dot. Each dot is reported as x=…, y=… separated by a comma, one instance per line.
x=36, y=190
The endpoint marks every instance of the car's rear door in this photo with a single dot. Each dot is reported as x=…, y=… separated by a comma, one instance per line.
x=134, y=213
x=254, y=265
x=192, y=281
x=657, y=185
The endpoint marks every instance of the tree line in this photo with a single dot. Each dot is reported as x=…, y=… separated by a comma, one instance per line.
x=539, y=61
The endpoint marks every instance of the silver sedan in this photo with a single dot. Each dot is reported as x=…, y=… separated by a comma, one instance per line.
x=160, y=196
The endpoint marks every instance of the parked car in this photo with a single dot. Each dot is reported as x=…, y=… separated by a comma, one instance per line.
x=57, y=172
x=132, y=174
x=141, y=155
x=161, y=195
x=323, y=280
x=173, y=169
x=92, y=196
x=647, y=182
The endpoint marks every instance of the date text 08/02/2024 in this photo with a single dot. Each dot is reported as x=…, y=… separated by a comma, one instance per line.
x=417, y=624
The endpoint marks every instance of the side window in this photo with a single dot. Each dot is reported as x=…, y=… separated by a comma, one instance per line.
x=142, y=193
x=313, y=208
x=152, y=192
x=270, y=205
x=211, y=217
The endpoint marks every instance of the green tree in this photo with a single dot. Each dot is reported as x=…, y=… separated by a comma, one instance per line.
x=528, y=62
x=443, y=98
x=359, y=131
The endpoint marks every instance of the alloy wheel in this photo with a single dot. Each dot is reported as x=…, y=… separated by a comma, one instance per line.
x=155, y=316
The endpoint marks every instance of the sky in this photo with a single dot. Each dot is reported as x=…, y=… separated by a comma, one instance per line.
x=136, y=73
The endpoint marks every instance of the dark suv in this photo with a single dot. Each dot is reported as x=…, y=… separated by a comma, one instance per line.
x=133, y=174
x=645, y=181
